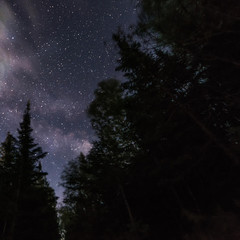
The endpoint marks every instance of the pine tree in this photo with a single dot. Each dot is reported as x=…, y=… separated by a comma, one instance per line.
x=29, y=200
x=79, y=200
x=168, y=137
x=8, y=182
x=93, y=182
x=181, y=105
x=36, y=218
x=30, y=153
x=209, y=33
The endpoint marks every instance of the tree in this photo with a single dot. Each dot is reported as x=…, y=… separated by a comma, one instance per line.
x=36, y=200
x=108, y=118
x=31, y=204
x=79, y=212
x=8, y=182
x=29, y=153
x=166, y=157
x=182, y=115
x=208, y=32
x=96, y=196
x=114, y=150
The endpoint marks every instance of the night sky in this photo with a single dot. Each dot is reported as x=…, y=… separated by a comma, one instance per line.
x=54, y=53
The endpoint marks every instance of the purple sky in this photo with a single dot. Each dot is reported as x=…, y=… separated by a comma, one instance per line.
x=54, y=53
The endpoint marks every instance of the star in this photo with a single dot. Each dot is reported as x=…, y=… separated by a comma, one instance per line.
x=54, y=53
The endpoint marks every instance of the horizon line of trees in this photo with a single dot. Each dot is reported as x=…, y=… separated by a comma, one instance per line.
x=165, y=164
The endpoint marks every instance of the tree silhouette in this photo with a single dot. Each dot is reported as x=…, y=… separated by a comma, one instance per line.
x=165, y=163
x=30, y=203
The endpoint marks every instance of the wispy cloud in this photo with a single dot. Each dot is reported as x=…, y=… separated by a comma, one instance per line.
x=12, y=60
x=59, y=141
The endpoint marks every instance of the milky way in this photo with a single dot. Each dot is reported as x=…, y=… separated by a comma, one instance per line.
x=54, y=53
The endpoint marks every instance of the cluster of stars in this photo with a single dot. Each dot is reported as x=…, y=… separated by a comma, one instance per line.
x=54, y=53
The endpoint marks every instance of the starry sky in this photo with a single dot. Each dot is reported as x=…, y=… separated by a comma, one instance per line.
x=53, y=53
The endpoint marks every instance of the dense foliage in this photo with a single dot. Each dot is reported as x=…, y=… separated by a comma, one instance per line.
x=166, y=160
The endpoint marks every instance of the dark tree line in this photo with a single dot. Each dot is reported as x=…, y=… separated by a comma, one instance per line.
x=165, y=164
x=28, y=203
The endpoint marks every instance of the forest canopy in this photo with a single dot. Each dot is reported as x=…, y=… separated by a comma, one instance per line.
x=166, y=160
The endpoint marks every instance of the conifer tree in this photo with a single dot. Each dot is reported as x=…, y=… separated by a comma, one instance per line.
x=30, y=203
x=30, y=153
x=79, y=200
x=91, y=183
x=179, y=109
x=36, y=201
x=8, y=182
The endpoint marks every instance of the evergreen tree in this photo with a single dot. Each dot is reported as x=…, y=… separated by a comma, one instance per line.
x=80, y=201
x=182, y=114
x=30, y=153
x=36, y=201
x=167, y=152
x=29, y=201
x=208, y=32
x=96, y=192
x=8, y=182
x=108, y=118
